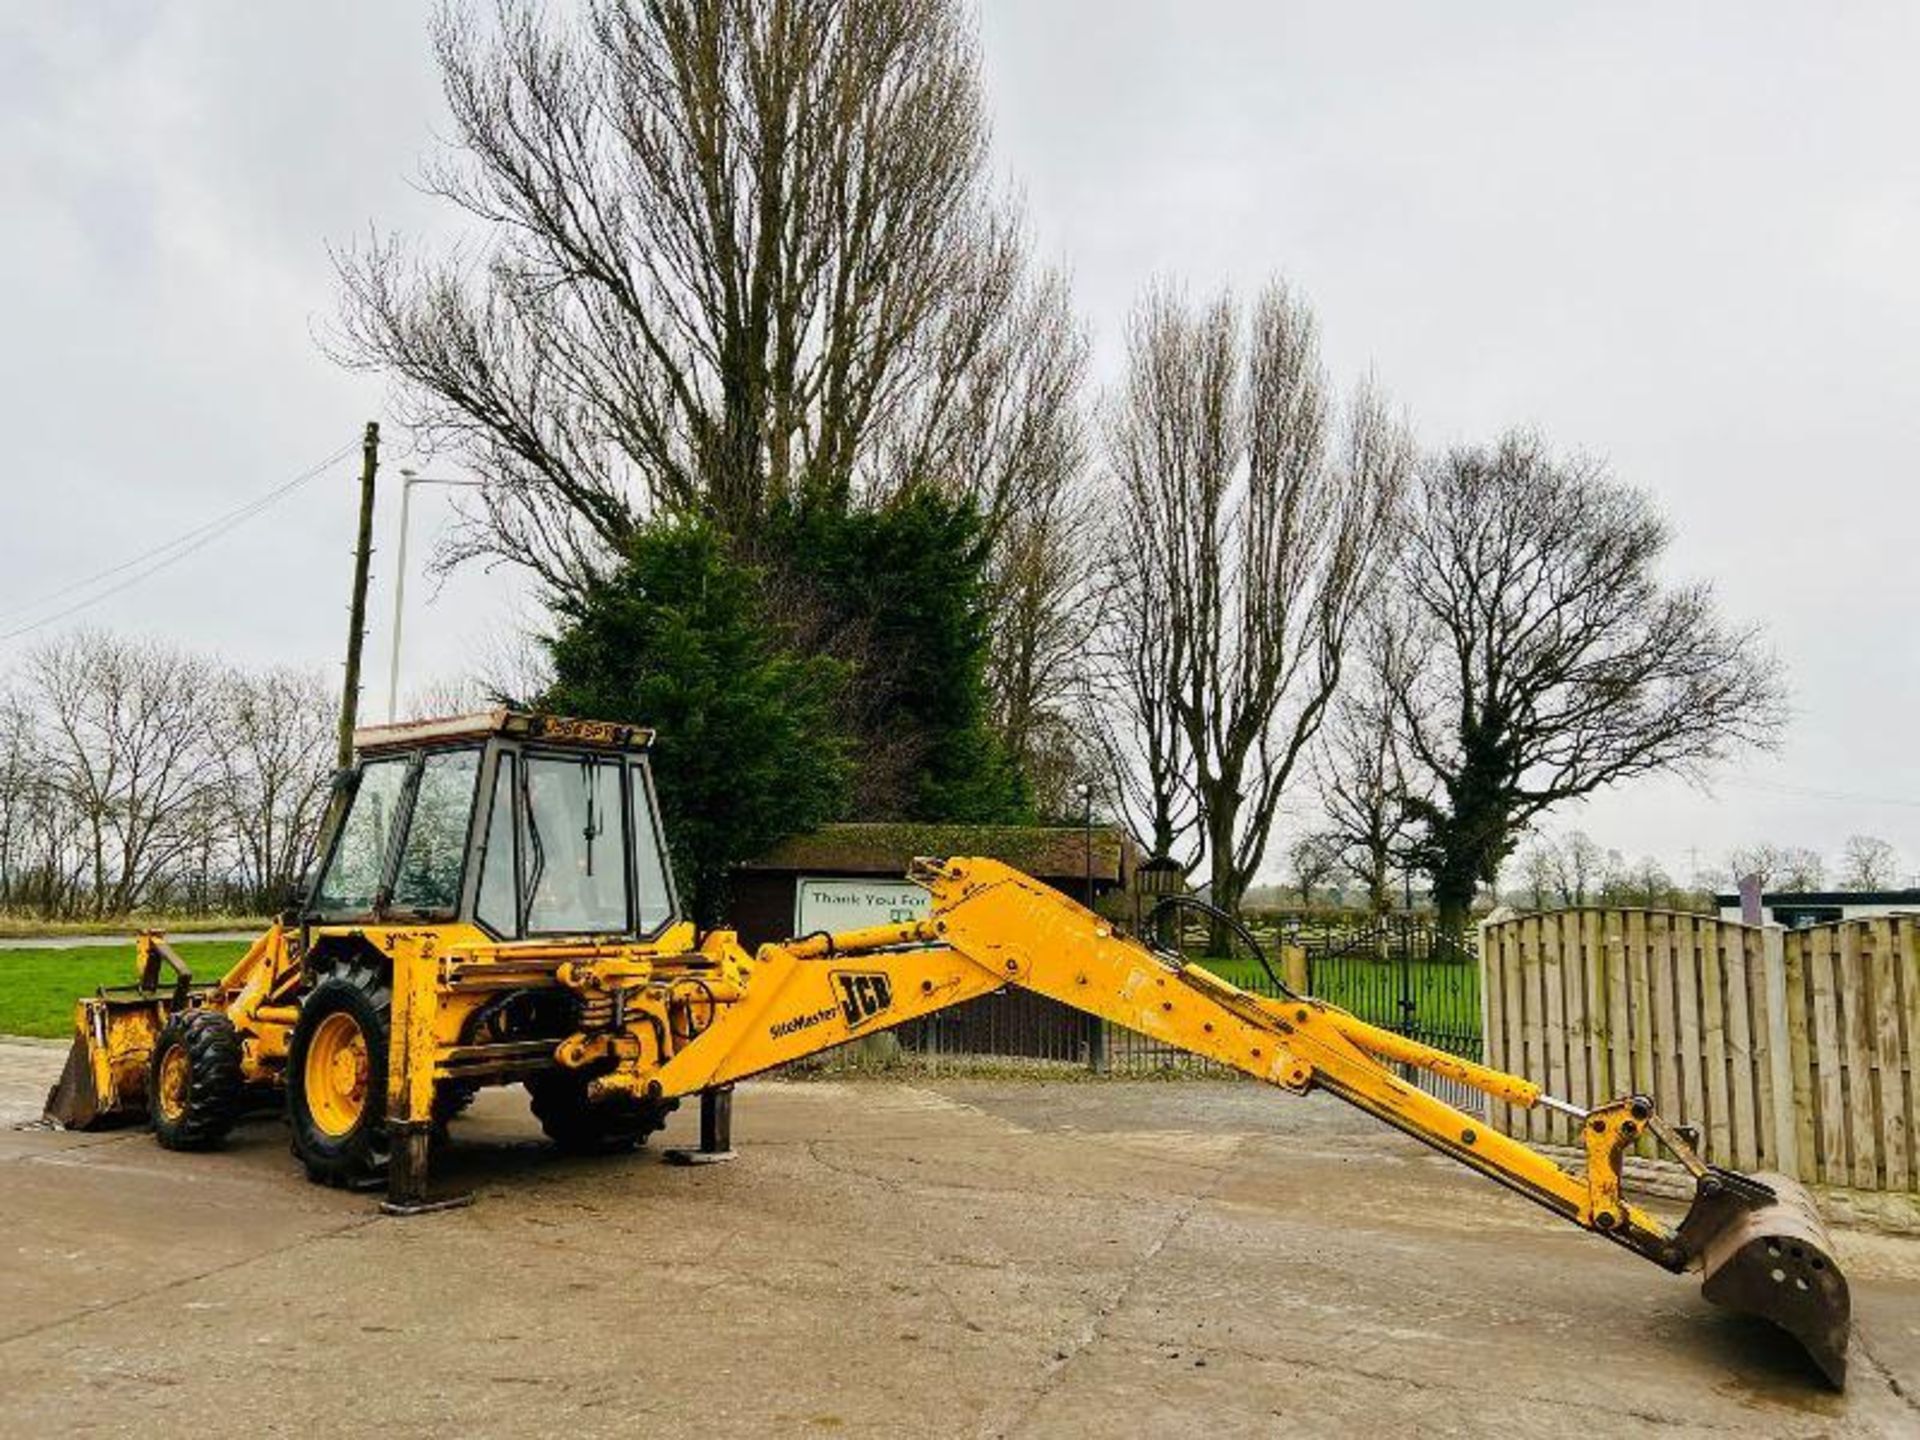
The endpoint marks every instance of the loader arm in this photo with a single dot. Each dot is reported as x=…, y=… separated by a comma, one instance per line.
x=1759, y=1241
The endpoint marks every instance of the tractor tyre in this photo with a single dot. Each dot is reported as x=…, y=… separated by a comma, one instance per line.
x=193, y=1080
x=337, y=1077
x=580, y=1125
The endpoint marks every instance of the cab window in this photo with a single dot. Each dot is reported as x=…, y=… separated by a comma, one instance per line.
x=498, y=907
x=576, y=846
x=434, y=856
x=654, y=901
x=353, y=874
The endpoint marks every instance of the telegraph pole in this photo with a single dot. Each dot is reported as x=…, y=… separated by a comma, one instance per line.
x=357, y=611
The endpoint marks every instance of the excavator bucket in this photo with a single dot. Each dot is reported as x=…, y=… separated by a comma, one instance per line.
x=1763, y=1251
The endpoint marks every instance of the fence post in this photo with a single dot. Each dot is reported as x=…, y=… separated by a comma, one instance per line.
x=1773, y=961
x=1486, y=1021
x=1293, y=966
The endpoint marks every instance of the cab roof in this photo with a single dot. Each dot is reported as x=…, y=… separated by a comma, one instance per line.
x=513, y=724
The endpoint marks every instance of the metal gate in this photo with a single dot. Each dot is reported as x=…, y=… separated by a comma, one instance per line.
x=1404, y=976
x=1397, y=973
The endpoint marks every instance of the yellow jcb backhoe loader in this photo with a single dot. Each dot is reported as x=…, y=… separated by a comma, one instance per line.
x=492, y=906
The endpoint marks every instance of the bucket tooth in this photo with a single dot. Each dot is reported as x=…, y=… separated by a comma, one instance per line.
x=1771, y=1257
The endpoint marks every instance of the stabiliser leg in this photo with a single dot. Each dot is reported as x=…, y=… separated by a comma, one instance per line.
x=716, y=1130
x=410, y=1092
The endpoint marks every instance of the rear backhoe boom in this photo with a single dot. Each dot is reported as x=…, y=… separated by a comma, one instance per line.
x=1758, y=1239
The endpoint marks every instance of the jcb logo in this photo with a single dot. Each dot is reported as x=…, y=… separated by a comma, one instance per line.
x=863, y=995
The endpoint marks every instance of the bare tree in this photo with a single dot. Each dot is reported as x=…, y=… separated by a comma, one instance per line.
x=1314, y=859
x=1568, y=869
x=45, y=865
x=19, y=774
x=130, y=751
x=1802, y=868
x=514, y=668
x=1037, y=644
x=276, y=757
x=1644, y=883
x=1000, y=421
x=1538, y=872
x=734, y=254
x=446, y=695
x=1135, y=672
x=1040, y=572
x=1361, y=767
x=1559, y=663
x=1779, y=867
x=134, y=776
x=1868, y=863
x=1578, y=865
x=1254, y=544
x=1260, y=538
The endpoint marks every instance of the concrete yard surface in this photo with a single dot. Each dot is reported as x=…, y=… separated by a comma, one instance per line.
x=942, y=1258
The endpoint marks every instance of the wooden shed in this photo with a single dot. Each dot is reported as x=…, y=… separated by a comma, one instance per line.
x=843, y=876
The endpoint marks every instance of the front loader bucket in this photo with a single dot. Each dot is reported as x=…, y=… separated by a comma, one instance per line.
x=105, y=1078
x=1764, y=1252
x=74, y=1101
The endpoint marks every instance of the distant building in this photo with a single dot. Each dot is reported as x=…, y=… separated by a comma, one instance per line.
x=1797, y=909
x=844, y=877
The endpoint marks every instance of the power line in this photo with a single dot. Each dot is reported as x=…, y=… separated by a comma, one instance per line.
x=1808, y=792
x=250, y=508
x=161, y=556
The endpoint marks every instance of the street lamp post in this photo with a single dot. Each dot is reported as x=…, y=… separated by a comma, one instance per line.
x=408, y=480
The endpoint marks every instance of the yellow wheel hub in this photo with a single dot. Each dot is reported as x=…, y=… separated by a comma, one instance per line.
x=335, y=1075
x=176, y=1083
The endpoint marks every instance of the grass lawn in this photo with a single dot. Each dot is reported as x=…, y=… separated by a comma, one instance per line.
x=1445, y=994
x=38, y=987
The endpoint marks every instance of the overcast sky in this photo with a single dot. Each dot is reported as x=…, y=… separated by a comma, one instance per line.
x=1679, y=237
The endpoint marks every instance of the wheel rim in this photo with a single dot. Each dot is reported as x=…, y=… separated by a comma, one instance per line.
x=176, y=1083
x=335, y=1075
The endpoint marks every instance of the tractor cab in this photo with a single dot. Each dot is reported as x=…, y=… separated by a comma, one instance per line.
x=526, y=826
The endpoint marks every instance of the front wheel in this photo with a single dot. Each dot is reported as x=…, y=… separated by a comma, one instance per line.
x=337, y=1078
x=194, y=1080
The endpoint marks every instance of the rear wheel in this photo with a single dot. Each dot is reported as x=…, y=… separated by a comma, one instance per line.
x=580, y=1125
x=194, y=1080
x=337, y=1078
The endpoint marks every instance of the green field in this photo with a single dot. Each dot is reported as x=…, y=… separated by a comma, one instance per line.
x=1445, y=994
x=38, y=987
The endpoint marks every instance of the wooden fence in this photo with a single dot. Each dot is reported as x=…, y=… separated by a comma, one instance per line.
x=1790, y=1050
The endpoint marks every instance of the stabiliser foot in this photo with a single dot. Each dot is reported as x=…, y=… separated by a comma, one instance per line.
x=716, y=1131
x=426, y=1207
x=406, y=1178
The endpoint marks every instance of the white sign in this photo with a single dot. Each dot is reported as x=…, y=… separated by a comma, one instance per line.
x=836, y=905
